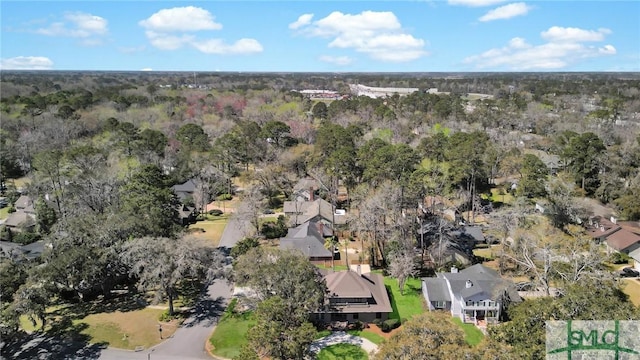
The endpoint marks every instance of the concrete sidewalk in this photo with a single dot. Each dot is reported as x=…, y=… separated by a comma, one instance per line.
x=341, y=337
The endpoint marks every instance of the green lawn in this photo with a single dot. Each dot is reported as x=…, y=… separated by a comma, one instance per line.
x=213, y=228
x=472, y=335
x=407, y=305
x=231, y=335
x=371, y=336
x=342, y=352
x=124, y=330
x=127, y=330
x=4, y=212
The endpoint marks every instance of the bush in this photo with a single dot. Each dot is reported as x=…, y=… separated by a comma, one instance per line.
x=195, y=230
x=390, y=324
x=377, y=322
x=164, y=317
x=215, y=212
x=230, y=311
x=224, y=197
x=619, y=258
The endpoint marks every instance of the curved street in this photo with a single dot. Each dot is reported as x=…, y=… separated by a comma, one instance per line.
x=189, y=340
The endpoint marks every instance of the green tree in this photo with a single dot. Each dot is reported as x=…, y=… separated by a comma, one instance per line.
x=320, y=110
x=149, y=203
x=584, y=155
x=534, y=175
x=277, y=131
x=161, y=264
x=243, y=246
x=431, y=335
x=192, y=137
x=288, y=274
x=280, y=333
x=153, y=141
x=45, y=216
x=586, y=300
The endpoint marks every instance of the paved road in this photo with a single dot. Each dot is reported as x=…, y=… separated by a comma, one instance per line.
x=236, y=228
x=189, y=340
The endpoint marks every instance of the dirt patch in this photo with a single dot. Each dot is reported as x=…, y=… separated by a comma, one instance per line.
x=376, y=330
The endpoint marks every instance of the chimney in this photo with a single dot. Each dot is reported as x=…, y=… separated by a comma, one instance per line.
x=454, y=270
x=614, y=220
x=602, y=228
x=468, y=284
x=311, y=194
x=359, y=270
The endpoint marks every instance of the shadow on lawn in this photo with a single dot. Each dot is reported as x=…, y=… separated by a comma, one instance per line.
x=62, y=341
x=79, y=310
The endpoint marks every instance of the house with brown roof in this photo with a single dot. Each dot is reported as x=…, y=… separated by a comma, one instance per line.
x=615, y=236
x=355, y=296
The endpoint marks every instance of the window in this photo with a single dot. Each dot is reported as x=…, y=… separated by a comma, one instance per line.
x=378, y=315
x=440, y=304
x=355, y=316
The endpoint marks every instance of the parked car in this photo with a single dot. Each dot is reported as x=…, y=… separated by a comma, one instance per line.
x=629, y=272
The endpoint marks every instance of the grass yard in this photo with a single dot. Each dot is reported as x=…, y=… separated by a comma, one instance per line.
x=369, y=335
x=128, y=330
x=407, y=305
x=212, y=228
x=488, y=252
x=4, y=212
x=472, y=335
x=632, y=288
x=342, y=352
x=124, y=330
x=231, y=335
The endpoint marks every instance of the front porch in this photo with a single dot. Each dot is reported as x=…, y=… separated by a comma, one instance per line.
x=480, y=317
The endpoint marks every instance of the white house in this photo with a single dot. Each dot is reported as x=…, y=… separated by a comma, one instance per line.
x=476, y=294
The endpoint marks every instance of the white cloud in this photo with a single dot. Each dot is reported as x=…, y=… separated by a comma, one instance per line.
x=172, y=29
x=184, y=19
x=506, y=12
x=26, y=63
x=77, y=25
x=146, y=69
x=563, y=48
x=219, y=47
x=304, y=19
x=569, y=34
x=378, y=34
x=475, y=3
x=336, y=60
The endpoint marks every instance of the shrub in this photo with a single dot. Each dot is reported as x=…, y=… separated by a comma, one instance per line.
x=164, y=317
x=377, y=322
x=215, y=212
x=223, y=197
x=390, y=324
x=230, y=311
x=195, y=230
x=619, y=258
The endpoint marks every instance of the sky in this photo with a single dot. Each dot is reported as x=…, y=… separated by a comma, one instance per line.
x=321, y=36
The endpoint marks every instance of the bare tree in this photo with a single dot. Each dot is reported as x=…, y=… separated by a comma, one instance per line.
x=402, y=266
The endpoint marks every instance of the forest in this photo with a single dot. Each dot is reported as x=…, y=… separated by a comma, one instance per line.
x=102, y=150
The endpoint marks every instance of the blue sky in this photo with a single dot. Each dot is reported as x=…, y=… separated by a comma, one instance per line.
x=322, y=36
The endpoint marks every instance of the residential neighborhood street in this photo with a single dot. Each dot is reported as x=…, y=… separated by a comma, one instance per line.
x=189, y=340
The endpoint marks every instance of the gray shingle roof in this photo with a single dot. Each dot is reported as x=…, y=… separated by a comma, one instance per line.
x=437, y=289
x=308, y=239
x=483, y=280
